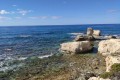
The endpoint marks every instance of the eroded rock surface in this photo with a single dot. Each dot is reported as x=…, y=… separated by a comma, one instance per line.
x=110, y=60
x=76, y=47
x=109, y=47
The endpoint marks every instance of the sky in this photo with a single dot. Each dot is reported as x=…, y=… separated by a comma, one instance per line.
x=59, y=12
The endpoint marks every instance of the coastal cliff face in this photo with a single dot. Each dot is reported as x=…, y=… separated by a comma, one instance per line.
x=111, y=50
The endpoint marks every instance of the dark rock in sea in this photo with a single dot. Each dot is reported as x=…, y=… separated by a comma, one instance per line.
x=80, y=38
x=111, y=37
x=84, y=38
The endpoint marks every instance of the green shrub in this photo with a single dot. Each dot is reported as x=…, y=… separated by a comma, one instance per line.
x=115, y=68
x=3, y=74
x=106, y=75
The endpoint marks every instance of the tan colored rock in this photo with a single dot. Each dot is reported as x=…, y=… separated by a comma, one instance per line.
x=76, y=47
x=96, y=32
x=89, y=31
x=108, y=47
x=97, y=78
x=110, y=60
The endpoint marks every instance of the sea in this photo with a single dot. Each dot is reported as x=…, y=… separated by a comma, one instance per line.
x=26, y=41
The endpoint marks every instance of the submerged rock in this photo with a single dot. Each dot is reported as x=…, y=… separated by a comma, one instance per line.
x=108, y=47
x=76, y=47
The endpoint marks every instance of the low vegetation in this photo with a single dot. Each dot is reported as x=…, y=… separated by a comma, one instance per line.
x=56, y=67
x=114, y=72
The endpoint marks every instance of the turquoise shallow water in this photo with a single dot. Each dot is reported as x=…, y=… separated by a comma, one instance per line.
x=41, y=40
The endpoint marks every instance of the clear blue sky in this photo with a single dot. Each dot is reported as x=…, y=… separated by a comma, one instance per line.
x=59, y=12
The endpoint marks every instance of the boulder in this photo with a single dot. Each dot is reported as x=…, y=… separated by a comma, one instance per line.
x=108, y=47
x=80, y=38
x=76, y=47
x=89, y=31
x=110, y=60
x=96, y=32
x=97, y=78
x=84, y=38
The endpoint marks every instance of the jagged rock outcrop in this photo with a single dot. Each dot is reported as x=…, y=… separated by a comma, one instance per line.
x=76, y=47
x=110, y=60
x=89, y=31
x=109, y=47
x=96, y=32
x=97, y=78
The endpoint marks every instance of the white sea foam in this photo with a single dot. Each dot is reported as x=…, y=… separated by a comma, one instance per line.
x=76, y=33
x=22, y=58
x=25, y=36
x=45, y=56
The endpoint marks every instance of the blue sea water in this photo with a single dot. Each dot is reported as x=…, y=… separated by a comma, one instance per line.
x=41, y=40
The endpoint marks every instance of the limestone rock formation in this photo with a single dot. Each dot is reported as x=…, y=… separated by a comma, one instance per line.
x=110, y=60
x=89, y=31
x=76, y=47
x=108, y=47
x=96, y=32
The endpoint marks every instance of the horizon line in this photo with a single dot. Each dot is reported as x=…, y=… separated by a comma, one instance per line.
x=58, y=25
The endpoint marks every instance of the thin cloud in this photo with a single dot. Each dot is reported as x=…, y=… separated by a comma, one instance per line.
x=113, y=11
x=14, y=5
x=23, y=12
x=4, y=12
x=56, y=17
x=39, y=17
x=5, y=18
x=17, y=17
x=45, y=17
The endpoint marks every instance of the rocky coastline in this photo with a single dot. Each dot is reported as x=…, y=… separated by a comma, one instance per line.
x=108, y=48
x=76, y=61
